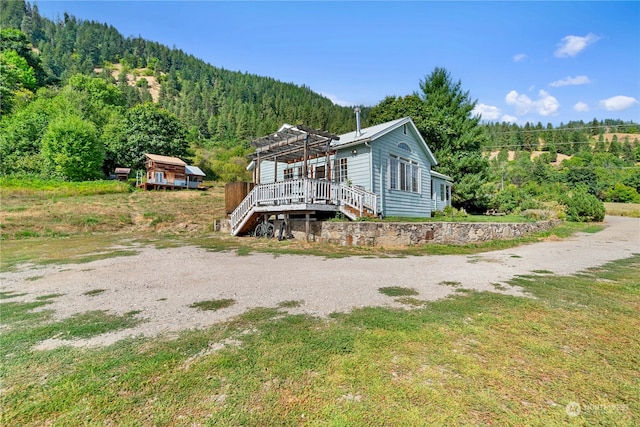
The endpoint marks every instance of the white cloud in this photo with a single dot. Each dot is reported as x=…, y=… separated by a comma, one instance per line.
x=487, y=112
x=618, y=103
x=581, y=107
x=336, y=100
x=545, y=105
x=519, y=57
x=572, y=45
x=571, y=81
x=509, y=119
x=523, y=103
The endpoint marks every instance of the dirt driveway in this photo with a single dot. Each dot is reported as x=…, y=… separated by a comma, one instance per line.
x=162, y=283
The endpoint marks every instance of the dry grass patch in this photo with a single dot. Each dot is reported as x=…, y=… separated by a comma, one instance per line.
x=623, y=209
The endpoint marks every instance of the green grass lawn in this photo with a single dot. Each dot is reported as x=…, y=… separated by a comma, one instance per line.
x=473, y=359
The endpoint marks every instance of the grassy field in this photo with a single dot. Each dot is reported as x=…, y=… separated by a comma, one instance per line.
x=474, y=359
x=48, y=222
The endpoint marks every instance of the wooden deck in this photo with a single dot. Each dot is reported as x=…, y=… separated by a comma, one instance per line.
x=302, y=196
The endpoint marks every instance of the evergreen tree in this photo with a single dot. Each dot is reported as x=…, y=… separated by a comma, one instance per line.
x=442, y=113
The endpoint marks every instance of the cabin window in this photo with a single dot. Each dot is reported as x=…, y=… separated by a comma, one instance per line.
x=442, y=193
x=288, y=173
x=404, y=146
x=404, y=129
x=300, y=172
x=404, y=175
x=319, y=172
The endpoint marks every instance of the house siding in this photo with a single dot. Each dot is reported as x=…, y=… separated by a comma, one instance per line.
x=440, y=202
x=397, y=202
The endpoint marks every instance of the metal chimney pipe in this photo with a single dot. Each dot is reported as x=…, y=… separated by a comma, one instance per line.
x=358, y=130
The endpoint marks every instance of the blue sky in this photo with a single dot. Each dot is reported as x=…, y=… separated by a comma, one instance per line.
x=522, y=61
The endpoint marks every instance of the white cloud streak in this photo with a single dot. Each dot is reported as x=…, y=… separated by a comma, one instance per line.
x=618, y=103
x=571, y=81
x=573, y=45
x=545, y=105
x=509, y=119
x=336, y=100
x=581, y=107
x=487, y=112
x=519, y=57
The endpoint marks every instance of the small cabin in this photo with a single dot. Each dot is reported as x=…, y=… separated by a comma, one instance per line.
x=170, y=173
x=121, y=174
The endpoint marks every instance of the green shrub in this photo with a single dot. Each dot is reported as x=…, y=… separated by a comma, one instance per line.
x=622, y=193
x=583, y=206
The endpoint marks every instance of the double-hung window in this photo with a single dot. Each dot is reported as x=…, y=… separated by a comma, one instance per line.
x=404, y=174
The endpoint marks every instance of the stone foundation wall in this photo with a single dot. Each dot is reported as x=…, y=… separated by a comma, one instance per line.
x=404, y=234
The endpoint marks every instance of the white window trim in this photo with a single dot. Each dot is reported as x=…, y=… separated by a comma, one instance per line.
x=395, y=167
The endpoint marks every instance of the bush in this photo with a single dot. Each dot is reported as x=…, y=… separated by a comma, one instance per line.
x=583, y=207
x=622, y=194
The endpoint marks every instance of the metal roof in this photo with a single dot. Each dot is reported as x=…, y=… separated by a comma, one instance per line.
x=288, y=144
x=193, y=170
x=166, y=159
x=441, y=176
x=374, y=132
x=370, y=133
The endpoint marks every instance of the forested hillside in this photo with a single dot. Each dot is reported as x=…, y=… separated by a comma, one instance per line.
x=217, y=108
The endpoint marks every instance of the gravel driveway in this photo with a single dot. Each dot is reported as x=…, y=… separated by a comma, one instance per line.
x=162, y=283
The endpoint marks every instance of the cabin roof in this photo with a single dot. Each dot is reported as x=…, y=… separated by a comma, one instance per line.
x=194, y=170
x=122, y=171
x=372, y=133
x=441, y=176
x=166, y=159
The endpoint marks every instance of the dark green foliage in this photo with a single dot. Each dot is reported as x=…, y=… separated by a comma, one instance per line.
x=622, y=194
x=145, y=129
x=582, y=206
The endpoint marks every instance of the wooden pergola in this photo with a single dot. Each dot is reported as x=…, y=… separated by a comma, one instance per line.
x=290, y=145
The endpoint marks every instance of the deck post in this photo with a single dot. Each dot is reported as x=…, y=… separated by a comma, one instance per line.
x=275, y=169
x=307, y=225
x=257, y=179
x=305, y=167
x=287, y=225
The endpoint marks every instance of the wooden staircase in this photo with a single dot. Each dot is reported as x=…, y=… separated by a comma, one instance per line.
x=301, y=195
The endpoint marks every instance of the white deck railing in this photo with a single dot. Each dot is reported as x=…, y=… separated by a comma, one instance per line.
x=303, y=191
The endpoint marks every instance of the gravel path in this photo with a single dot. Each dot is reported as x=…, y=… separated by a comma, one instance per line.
x=162, y=283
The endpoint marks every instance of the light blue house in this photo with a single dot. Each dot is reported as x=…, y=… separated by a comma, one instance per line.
x=383, y=170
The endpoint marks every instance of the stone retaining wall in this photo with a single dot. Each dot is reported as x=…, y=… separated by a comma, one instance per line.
x=407, y=233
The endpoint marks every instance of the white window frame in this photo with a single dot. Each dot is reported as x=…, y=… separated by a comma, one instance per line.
x=341, y=170
x=404, y=175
